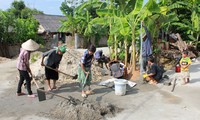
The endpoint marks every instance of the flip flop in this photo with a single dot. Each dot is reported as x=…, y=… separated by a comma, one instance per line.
x=84, y=95
x=32, y=96
x=54, y=88
x=20, y=94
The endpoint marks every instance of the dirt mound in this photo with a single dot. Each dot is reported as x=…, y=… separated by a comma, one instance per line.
x=83, y=110
x=3, y=59
x=69, y=65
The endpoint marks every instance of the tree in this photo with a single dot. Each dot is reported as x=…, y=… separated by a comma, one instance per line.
x=78, y=19
x=26, y=29
x=188, y=12
x=19, y=10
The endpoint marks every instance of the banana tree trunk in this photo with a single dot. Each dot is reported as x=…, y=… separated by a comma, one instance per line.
x=134, y=50
x=76, y=40
x=115, y=39
x=197, y=40
x=126, y=51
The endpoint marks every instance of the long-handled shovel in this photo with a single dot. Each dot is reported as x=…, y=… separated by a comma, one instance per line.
x=59, y=71
x=174, y=84
x=83, y=84
x=41, y=92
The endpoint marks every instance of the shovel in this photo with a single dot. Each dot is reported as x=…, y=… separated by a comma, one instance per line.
x=41, y=92
x=174, y=84
x=74, y=77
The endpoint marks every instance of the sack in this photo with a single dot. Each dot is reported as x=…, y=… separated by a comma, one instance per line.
x=115, y=70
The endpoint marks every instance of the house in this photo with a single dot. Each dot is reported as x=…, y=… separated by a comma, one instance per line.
x=49, y=29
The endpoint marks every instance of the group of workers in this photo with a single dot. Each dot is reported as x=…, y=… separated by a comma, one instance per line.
x=152, y=75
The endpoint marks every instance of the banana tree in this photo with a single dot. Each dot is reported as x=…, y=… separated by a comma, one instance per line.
x=78, y=20
x=188, y=12
x=115, y=18
x=133, y=18
x=191, y=25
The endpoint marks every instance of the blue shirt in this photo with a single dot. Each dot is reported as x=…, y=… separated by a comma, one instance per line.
x=86, y=59
x=146, y=45
x=98, y=54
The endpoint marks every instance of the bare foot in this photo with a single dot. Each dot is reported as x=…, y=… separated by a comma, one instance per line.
x=84, y=95
x=89, y=92
x=49, y=89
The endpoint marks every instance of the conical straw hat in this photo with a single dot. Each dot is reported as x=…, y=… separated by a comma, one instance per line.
x=30, y=45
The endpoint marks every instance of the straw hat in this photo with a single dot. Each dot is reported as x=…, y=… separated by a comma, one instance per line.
x=30, y=45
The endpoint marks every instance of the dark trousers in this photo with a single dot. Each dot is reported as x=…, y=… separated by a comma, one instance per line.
x=24, y=76
x=144, y=63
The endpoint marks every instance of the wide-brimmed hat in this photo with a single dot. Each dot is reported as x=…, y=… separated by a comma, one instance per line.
x=30, y=45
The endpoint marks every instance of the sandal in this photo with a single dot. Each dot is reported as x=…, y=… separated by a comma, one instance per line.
x=32, y=96
x=83, y=95
x=54, y=88
x=20, y=94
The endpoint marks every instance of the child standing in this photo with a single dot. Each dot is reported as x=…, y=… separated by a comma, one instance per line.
x=185, y=63
x=84, y=70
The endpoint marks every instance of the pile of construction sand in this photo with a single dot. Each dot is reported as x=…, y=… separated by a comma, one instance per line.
x=4, y=59
x=74, y=109
x=69, y=65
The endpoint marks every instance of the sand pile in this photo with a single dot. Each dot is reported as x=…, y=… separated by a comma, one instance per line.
x=74, y=109
x=68, y=65
x=4, y=59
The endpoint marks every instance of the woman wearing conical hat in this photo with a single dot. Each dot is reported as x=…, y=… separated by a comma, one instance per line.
x=24, y=67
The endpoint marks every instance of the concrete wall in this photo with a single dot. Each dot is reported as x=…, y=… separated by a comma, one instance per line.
x=70, y=41
x=11, y=51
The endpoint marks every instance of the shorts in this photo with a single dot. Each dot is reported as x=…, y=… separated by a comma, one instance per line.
x=185, y=74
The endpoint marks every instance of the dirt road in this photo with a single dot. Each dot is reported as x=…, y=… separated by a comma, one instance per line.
x=144, y=102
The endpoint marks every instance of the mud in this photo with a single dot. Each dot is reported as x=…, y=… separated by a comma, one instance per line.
x=74, y=109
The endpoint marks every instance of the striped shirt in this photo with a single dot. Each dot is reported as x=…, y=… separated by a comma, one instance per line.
x=23, y=60
x=86, y=59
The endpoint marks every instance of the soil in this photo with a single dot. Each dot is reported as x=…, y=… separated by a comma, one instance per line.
x=70, y=60
x=4, y=59
x=82, y=110
x=141, y=102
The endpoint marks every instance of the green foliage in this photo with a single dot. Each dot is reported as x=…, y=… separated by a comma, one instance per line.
x=34, y=57
x=122, y=55
x=78, y=20
x=19, y=10
x=188, y=13
x=17, y=24
x=25, y=29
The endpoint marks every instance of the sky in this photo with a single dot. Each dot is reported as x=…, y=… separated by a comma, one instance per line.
x=51, y=7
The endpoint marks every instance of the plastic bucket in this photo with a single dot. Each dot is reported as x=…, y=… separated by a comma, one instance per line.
x=120, y=86
x=178, y=69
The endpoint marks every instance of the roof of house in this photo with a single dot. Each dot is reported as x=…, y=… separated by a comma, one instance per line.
x=49, y=22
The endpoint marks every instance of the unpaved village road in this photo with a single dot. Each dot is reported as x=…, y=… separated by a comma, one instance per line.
x=144, y=102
